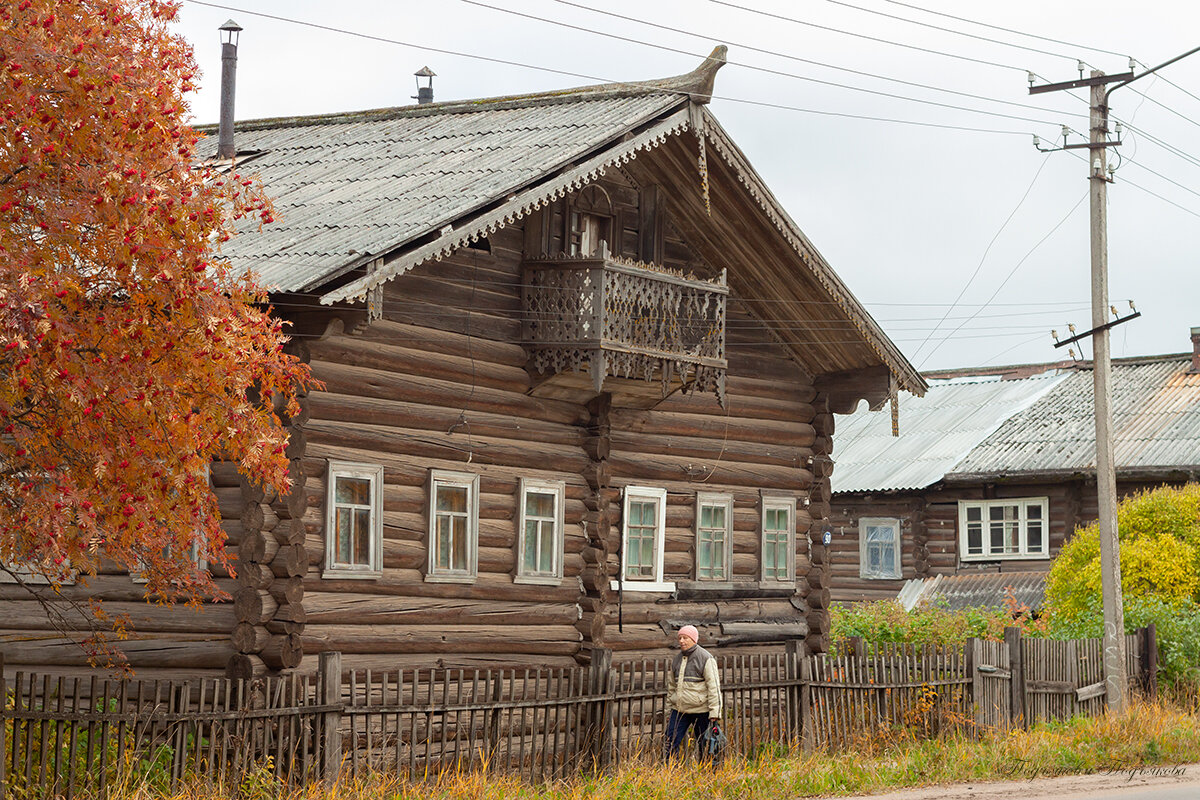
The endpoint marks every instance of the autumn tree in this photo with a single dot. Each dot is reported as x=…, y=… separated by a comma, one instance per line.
x=129, y=356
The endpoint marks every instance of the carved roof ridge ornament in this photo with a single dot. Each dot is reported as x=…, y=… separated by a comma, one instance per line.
x=697, y=84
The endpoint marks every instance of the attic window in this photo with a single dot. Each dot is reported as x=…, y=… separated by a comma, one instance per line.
x=589, y=222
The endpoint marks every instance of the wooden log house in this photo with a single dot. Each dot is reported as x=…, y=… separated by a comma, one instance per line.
x=580, y=370
x=993, y=471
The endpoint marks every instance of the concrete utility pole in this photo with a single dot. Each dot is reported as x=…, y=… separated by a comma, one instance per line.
x=1115, y=678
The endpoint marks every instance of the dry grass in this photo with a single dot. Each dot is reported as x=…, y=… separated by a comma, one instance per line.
x=1148, y=735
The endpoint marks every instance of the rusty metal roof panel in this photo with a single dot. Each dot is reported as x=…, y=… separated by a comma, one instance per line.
x=362, y=185
x=936, y=432
x=1156, y=424
x=975, y=590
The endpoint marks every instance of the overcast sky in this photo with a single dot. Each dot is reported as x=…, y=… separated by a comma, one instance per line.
x=906, y=214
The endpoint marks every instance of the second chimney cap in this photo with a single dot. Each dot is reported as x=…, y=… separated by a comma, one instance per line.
x=230, y=25
x=425, y=72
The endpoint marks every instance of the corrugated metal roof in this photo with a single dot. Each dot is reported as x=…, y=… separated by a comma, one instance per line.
x=1156, y=424
x=936, y=432
x=356, y=186
x=984, y=590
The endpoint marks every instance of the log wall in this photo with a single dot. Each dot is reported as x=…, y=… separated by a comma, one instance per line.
x=440, y=382
x=929, y=530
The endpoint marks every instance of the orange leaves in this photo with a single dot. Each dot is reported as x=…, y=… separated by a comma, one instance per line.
x=126, y=350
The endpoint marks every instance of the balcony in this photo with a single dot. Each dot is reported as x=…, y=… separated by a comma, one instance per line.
x=616, y=321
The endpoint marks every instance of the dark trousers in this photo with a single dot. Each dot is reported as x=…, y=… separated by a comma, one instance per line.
x=677, y=729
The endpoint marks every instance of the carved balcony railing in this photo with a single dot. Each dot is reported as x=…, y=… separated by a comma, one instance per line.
x=616, y=318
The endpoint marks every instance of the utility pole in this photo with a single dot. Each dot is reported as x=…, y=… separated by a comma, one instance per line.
x=1115, y=678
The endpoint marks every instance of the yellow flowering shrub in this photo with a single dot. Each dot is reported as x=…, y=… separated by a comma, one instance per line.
x=1159, y=532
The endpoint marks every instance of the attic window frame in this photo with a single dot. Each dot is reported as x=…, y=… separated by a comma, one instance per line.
x=593, y=202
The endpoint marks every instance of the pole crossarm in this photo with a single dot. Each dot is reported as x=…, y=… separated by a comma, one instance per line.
x=1103, y=327
x=1076, y=84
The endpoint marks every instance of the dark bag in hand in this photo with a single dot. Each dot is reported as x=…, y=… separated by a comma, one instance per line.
x=714, y=744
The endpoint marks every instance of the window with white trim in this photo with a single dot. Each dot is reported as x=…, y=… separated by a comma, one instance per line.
x=453, y=527
x=879, y=547
x=196, y=554
x=540, y=546
x=643, y=521
x=779, y=540
x=1010, y=528
x=353, y=521
x=714, y=535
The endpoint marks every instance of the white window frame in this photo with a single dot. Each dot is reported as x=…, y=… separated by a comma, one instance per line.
x=725, y=501
x=199, y=560
x=863, y=547
x=374, y=566
x=558, y=490
x=1023, y=503
x=772, y=503
x=656, y=584
x=462, y=480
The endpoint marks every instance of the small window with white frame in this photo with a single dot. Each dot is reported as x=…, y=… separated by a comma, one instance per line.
x=1003, y=529
x=778, y=540
x=453, y=527
x=196, y=554
x=540, y=527
x=354, y=521
x=879, y=547
x=643, y=521
x=714, y=536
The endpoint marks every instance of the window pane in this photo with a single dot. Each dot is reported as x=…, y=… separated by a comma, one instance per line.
x=1033, y=511
x=718, y=559
x=362, y=537
x=546, y=549
x=974, y=538
x=974, y=513
x=459, y=558
x=529, y=562
x=442, y=556
x=452, y=498
x=353, y=490
x=344, y=537
x=1034, y=536
x=539, y=504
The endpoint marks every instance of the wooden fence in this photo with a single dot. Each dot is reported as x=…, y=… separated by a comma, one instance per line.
x=67, y=737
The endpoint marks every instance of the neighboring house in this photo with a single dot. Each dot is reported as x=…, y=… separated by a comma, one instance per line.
x=994, y=469
x=579, y=368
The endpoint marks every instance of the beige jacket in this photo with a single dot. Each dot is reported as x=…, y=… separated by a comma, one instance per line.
x=694, y=684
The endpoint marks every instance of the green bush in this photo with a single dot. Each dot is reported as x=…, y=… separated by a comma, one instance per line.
x=1177, y=627
x=887, y=621
x=1159, y=534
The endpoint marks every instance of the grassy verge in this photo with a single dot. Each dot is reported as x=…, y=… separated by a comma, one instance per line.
x=1148, y=736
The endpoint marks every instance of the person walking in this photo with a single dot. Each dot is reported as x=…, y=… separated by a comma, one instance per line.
x=693, y=693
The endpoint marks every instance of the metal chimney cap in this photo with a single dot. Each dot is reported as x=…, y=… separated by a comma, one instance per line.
x=425, y=72
x=230, y=25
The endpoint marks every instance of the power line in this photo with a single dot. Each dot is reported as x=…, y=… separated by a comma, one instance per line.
x=767, y=70
x=949, y=30
x=1008, y=30
x=1011, y=272
x=797, y=59
x=932, y=51
x=568, y=73
x=987, y=250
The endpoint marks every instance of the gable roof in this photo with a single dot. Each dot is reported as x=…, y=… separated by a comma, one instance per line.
x=1040, y=425
x=362, y=198
x=1156, y=425
x=937, y=432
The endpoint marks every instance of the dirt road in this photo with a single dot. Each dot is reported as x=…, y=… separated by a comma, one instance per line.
x=1180, y=782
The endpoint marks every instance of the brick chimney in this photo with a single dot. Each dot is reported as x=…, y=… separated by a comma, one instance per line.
x=1195, y=350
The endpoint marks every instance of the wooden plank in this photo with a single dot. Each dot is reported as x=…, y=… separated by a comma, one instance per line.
x=1088, y=692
